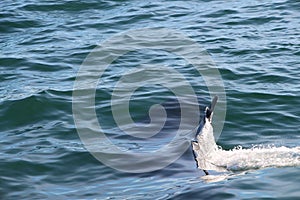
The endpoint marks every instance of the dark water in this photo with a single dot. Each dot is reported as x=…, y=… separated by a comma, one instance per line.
x=255, y=45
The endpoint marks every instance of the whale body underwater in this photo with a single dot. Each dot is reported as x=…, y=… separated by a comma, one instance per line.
x=211, y=157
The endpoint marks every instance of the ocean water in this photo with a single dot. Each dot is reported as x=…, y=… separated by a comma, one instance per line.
x=255, y=45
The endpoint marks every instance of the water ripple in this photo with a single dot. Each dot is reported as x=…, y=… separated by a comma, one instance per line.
x=254, y=44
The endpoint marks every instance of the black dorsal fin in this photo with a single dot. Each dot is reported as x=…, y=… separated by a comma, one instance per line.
x=211, y=108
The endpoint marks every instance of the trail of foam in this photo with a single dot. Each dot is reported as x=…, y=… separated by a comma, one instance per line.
x=257, y=157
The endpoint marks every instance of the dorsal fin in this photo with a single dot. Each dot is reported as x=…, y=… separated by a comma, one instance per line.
x=209, y=111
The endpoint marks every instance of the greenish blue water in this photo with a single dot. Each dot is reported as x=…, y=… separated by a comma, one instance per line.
x=255, y=45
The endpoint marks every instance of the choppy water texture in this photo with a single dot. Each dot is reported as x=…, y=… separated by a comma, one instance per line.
x=255, y=45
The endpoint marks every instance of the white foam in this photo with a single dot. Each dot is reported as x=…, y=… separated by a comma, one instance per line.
x=257, y=157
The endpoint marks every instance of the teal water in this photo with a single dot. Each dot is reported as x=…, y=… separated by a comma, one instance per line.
x=255, y=45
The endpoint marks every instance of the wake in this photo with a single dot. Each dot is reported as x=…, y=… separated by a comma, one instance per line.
x=257, y=157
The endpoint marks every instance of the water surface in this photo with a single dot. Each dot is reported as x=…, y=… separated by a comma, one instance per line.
x=254, y=44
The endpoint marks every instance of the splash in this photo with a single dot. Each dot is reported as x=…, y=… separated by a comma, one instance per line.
x=257, y=157
x=239, y=161
x=229, y=163
x=209, y=156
